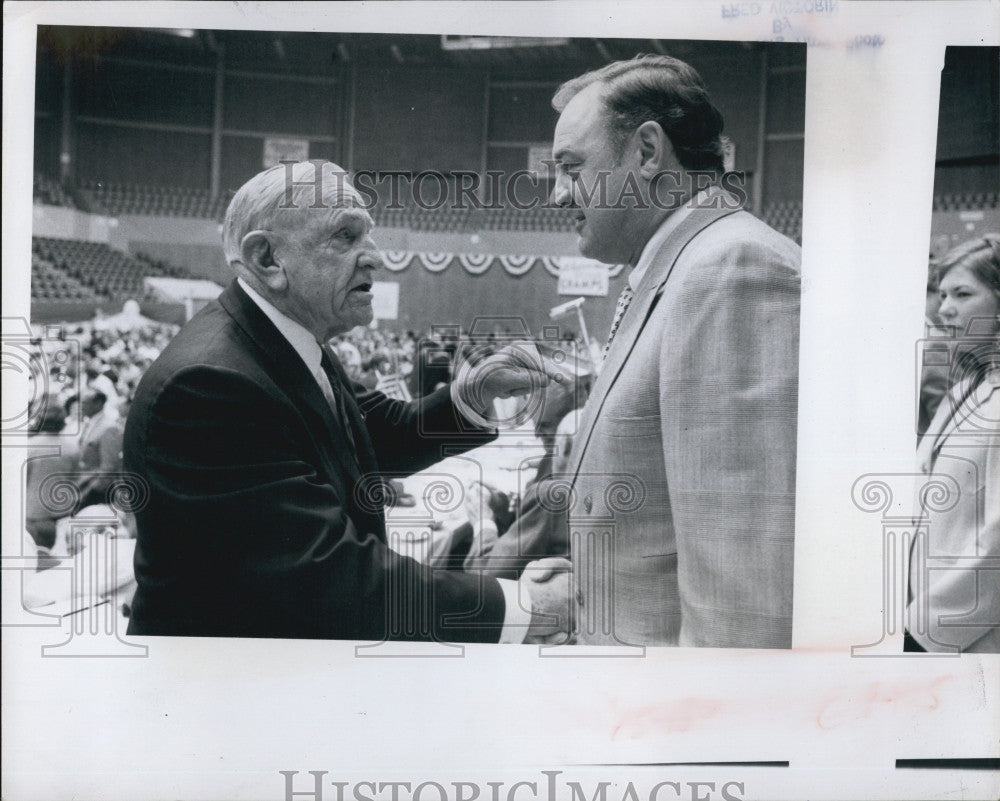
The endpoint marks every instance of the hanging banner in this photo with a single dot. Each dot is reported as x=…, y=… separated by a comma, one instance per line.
x=396, y=260
x=435, y=262
x=517, y=265
x=476, y=263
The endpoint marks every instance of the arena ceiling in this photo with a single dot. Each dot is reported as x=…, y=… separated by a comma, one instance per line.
x=307, y=53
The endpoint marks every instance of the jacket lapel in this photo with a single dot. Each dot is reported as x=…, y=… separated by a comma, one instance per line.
x=959, y=404
x=639, y=310
x=290, y=372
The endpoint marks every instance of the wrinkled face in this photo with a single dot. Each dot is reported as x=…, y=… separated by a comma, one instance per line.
x=586, y=159
x=329, y=262
x=965, y=298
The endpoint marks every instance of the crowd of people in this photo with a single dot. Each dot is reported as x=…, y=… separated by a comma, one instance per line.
x=78, y=418
x=372, y=356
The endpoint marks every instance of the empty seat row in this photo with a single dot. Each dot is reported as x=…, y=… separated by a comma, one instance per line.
x=966, y=201
x=152, y=200
x=96, y=267
x=49, y=192
x=50, y=283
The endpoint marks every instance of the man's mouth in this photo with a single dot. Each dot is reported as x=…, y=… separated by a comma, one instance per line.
x=580, y=221
x=365, y=287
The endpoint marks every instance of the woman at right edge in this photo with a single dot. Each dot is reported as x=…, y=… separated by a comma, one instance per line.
x=954, y=577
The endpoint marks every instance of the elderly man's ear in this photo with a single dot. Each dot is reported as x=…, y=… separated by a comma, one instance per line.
x=258, y=251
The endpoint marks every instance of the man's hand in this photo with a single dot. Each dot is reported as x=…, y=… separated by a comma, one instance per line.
x=516, y=370
x=547, y=584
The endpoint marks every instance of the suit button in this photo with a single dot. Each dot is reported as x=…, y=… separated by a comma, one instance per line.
x=588, y=503
x=579, y=596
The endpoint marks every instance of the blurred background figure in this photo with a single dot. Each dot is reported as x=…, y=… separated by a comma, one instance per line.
x=100, y=459
x=100, y=378
x=44, y=462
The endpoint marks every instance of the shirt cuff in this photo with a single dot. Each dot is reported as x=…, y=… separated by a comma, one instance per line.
x=516, y=619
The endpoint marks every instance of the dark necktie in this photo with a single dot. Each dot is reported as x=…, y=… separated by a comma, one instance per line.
x=339, y=389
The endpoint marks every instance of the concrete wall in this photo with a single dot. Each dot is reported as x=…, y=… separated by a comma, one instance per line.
x=62, y=223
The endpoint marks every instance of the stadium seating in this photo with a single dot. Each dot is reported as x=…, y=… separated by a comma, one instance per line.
x=158, y=201
x=785, y=216
x=50, y=283
x=967, y=201
x=539, y=218
x=453, y=220
x=95, y=267
x=50, y=193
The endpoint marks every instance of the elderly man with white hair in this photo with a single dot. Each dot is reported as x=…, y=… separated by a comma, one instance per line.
x=260, y=457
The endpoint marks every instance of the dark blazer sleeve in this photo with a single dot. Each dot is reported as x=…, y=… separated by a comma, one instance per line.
x=249, y=529
x=412, y=436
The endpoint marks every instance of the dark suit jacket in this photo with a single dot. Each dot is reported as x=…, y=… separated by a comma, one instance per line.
x=258, y=522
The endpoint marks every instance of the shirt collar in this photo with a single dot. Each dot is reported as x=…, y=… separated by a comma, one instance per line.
x=298, y=336
x=667, y=227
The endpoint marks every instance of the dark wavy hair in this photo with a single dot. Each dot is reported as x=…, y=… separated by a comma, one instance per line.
x=980, y=256
x=659, y=89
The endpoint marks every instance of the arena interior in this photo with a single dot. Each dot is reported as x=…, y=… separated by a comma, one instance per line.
x=142, y=136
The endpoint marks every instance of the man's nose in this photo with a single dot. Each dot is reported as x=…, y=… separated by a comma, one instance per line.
x=372, y=256
x=562, y=192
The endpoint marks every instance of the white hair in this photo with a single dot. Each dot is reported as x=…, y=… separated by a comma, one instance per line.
x=270, y=198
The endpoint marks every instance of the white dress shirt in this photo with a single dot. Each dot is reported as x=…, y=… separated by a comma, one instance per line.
x=516, y=619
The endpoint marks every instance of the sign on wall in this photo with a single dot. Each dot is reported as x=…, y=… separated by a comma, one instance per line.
x=385, y=303
x=284, y=149
x=579, y=276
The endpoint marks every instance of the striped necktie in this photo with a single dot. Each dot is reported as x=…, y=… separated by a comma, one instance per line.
x=624, y=299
